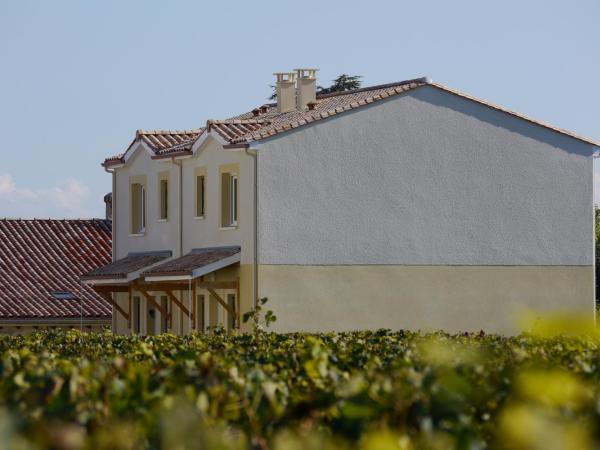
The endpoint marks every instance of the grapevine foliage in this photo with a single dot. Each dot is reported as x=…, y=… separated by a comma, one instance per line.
x=370, y=390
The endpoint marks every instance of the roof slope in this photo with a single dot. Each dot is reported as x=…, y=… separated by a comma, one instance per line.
x=264, y=122
x=38, y=257
x=160, y=140
x=197, y=258
x=124, y=266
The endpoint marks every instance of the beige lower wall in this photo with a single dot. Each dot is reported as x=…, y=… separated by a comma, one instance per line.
x=451, y=298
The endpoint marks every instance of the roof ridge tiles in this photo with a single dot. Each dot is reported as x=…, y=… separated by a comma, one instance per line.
x=167, y=132
x=245, y=128
x=421, y=80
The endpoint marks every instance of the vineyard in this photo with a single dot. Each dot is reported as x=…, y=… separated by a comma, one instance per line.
x=370, y=390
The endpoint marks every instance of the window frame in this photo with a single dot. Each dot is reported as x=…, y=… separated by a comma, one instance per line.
x=229, y=197
x=200, y=201
x=137, y=183
x=163, y=179
x=233, y=201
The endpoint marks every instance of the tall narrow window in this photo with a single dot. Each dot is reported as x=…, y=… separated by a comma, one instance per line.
x=138, y=208
x=164, y=199
x=234, y=199
x=229, y=200
x=200, y=196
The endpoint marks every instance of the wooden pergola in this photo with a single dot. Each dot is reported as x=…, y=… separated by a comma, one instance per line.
x=169, y=288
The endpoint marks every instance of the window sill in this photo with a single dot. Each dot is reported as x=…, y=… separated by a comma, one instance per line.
x=162, y=220
x=233, y=227
x=199, y=217
x=137, y=234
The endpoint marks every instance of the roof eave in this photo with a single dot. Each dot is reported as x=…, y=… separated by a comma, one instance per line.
x=177, y=154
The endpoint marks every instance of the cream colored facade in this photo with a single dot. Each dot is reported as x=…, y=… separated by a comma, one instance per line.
x=424, y=211
x=183, y=230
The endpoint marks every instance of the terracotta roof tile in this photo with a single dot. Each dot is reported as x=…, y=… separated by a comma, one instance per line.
x=160, y=142
x=197, y=258
x=131, y=263
x=38, y=257
x=247, y=127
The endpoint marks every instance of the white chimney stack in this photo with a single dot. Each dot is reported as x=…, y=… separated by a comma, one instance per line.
x=286, y=91
x=306, y=91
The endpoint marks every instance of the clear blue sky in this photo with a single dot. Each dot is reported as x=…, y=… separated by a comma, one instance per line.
x=78, y=78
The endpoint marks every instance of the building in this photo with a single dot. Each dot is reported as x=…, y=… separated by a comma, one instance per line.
x=405, y=205
x=40, y=265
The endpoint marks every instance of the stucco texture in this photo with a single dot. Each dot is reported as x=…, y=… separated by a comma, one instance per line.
x=425, y=178
x=452, y=298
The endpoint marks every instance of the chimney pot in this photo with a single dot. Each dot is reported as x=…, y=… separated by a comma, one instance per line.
x=255, y=112
x=306, y=87
x=108, y=205
x=286, y=91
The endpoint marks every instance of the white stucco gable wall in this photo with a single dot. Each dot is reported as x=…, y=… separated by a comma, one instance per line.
x=425, y=178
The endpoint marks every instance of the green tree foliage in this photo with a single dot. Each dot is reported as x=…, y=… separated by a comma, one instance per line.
x=374, y=390
x=342, y=83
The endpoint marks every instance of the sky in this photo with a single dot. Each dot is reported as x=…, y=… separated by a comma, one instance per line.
x=78, y=78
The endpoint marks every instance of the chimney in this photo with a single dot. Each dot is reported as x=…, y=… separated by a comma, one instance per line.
x=108, y=203
x=307, y=87
x=286, y=91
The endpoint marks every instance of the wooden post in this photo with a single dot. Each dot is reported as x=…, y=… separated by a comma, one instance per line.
x=237, y=303
x=129, y=295
x=194, y=308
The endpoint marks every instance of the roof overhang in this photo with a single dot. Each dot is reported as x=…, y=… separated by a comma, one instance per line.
x=199, y=269
x=122, y=276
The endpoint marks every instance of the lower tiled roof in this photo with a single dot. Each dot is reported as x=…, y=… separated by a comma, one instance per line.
x=196, y=259
x=39, y=257
x=131, y=263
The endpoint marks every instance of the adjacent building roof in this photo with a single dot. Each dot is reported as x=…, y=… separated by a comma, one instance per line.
x=198, y=262
x=122, y=268
x=265, y=122
x=40, y=265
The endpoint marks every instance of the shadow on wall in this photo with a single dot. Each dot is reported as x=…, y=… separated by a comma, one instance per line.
x=438, y=97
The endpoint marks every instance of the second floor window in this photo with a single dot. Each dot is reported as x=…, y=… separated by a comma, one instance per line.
x=164, y=199
x=229, y=199
x=200, y=196
x=138, y=208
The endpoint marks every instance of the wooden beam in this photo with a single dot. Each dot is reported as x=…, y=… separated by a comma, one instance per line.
x=221, y=301
x=151, y=287
x=129, y=295
x=112, y=287
x=194, y=307
x=217, y=284
x=106, y=296
x=154, y=302
x=177, y=302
